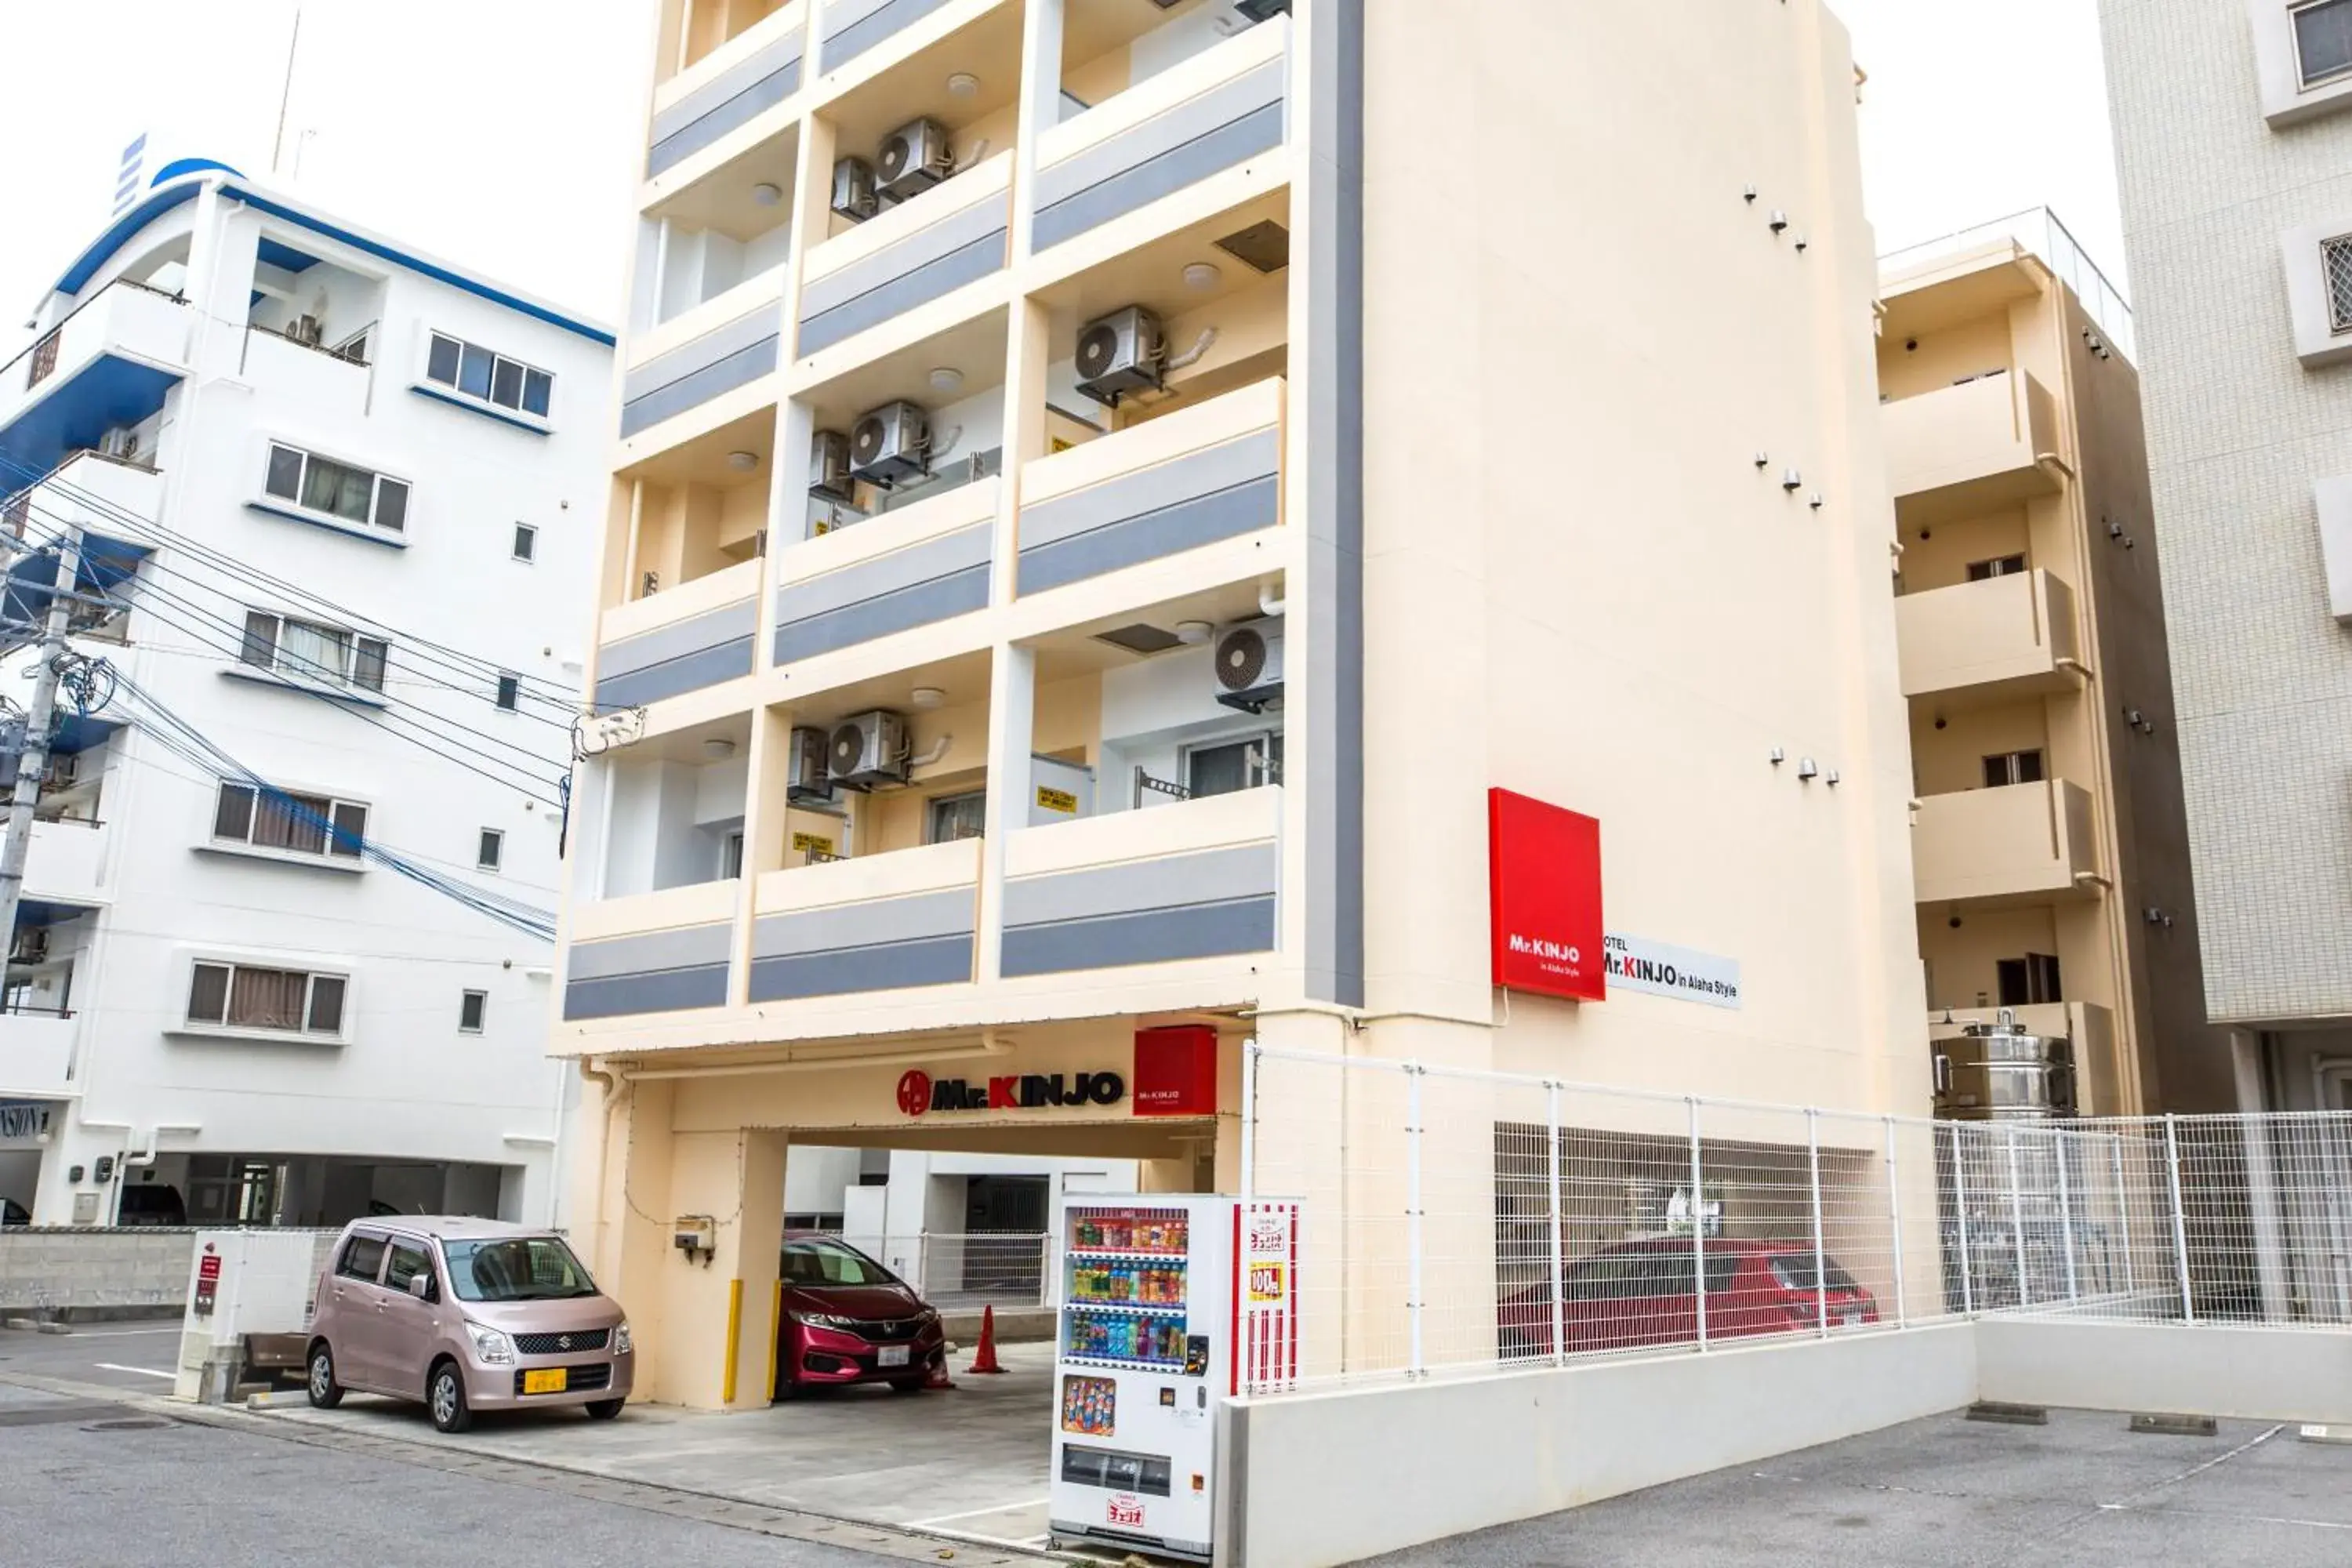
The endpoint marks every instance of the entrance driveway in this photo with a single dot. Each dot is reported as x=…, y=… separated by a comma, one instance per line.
x=968, y=1461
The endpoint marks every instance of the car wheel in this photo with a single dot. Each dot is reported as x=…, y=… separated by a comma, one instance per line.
x=786, y=1389
x=910, y=1385
x=604, y=1409
x=325, y=1392
x=445, y=1397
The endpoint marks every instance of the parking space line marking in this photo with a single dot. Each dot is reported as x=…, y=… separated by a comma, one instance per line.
x=976, y=1512
x=141, y=1371
x=122, y=1333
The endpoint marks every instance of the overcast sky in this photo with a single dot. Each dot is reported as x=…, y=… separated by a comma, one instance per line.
x=502, y=134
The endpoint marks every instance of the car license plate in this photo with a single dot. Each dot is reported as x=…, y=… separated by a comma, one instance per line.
x=891, y=1356
x=550, y=1380
x=1850, y=1318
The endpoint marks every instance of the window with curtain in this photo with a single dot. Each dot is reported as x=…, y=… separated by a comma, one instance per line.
x=248, y=996
x=305, y=651
x=298, y=824
x=338, y=490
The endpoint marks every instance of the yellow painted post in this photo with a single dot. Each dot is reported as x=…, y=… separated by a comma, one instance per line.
x=734, y=1332
x=775, y=1338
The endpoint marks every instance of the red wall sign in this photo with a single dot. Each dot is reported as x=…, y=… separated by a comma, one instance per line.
x=1544, y=876
x=1176, y=1070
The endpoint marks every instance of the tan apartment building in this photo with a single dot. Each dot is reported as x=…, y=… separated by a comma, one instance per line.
x=1107, y=492
x=2049, y=836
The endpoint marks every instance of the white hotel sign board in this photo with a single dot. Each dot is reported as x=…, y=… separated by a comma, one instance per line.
x=1636, y=963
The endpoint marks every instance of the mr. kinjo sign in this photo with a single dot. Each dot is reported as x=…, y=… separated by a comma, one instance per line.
x=1638, y=964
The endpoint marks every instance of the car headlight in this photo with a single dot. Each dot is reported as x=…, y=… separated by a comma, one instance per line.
x=490, y=1344
x=828, y=1320
x=928, y=1315
x=622, y=1344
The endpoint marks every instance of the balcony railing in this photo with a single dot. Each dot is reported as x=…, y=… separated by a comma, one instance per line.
x=921, y=250
x=36, y=1054
x=729, y=87
x=141, y=333
x=650, y=953
x=697, y=634
x=1195, y=879
x=891, y=574
x=1973, y=448
x=1172, y=484
x=731, y=354
x=2019, y=844
x=1988, y=641
x=1212, y=112
x=873, y=922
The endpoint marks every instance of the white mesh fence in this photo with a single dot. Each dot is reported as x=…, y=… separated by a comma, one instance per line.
x=1456, y=1222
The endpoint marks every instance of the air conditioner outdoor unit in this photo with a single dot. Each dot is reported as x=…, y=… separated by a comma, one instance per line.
x=118, y=443
x=31, y=946
x=806, y=779
x=853, y=196
x=890, y=444
x=307, y=330
x=915, y=157
x=1249, y=665
x=1119, y=354
x=868, y=749
x=829, y=478
x=1262, y=10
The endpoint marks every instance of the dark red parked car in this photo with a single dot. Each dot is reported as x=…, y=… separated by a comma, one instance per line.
x=1638, y=1293
x=846, y=1318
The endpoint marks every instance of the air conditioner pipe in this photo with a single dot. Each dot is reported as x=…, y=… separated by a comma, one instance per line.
x=1269, y=604
x=938, y=749
x=1192, y=355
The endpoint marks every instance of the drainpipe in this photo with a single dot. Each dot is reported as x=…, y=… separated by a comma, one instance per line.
x=608, y=1084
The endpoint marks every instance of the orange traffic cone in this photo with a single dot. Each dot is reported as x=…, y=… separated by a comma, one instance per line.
x=985, y=1361
x=939, y=1378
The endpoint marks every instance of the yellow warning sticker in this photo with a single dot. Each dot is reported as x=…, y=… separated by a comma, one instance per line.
x=1059, y=800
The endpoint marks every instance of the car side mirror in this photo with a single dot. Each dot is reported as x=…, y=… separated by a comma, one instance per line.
x=421, y=1286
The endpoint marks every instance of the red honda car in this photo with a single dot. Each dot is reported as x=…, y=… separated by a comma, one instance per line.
x=1639, y=1294
x=846, y=1318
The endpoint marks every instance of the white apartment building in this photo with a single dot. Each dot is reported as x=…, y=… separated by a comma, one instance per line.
x=2234, y=125
x=343, y=495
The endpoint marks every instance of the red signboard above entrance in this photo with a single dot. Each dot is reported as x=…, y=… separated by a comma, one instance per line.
x=1176, y=1070
x=1544, y=876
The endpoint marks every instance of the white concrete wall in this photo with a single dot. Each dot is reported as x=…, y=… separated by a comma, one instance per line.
x=404, y=1083
x=2253, y=1374
x=1327, y=1479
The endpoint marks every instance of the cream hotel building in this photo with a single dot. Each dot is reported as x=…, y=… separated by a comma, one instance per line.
x=1104, y=490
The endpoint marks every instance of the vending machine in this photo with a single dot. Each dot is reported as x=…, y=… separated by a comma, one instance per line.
x=1168, y=1304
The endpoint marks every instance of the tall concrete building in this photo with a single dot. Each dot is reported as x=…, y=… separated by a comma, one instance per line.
x=2233, y=126
x=333, y=501
x=1108, y=492
x=2052, y=859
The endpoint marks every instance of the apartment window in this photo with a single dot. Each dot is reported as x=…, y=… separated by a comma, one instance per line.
x=731, y=856
x=339, y=489
x=303, y=650
x=242, y=996
x=954, y=816
x=472, y=1007
x=474, y=372
x=1229, y=765
x=1999, y=566
x=298, y=824
x=526, y=543
x=510, y=692
x=491, y=849
x=2335, y=263
x=2323, y=41
x=2030, y=981
x=2013, y=768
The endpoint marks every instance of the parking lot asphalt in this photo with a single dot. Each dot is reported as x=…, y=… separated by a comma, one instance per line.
x=1947, y=1492
x=137, y=1358
x=970, y=1461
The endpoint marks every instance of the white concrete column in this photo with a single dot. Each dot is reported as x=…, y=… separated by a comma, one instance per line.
x=1041, y=108
x=1011, y=715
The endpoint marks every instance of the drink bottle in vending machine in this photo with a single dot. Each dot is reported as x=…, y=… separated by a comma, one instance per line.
x=1169, y=1305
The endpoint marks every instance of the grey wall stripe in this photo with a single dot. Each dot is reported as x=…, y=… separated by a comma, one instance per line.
x=1229, y=463
x=951, y=233
x=729, y=660
x=846, y=43
x=934, y=960
x=739, y=368
x=1149, y=181
x=680, y=948
x=662, y=992
x=1153, y=936
x=706, y=629
x=1163, y=132
x=1210, y=876
x=735, y=97
x=1184, y=526
x=747, y=331
x=1335, y=507
x=920, y=286
x=948, y=912
x=919, y=563
x=920, y=606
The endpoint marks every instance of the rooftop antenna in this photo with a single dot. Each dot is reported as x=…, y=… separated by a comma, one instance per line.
x=286, y=92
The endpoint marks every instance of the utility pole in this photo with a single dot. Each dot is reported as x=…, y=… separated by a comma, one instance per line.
x=34, y=761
